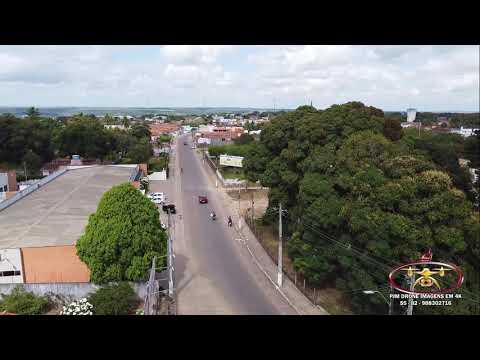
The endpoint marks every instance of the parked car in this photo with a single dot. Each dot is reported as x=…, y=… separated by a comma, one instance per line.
x=202, y=199
x=157, y=197
x=170, y=207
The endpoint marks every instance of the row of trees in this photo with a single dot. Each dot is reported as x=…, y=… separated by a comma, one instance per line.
x=36, y=140
x=354, y=183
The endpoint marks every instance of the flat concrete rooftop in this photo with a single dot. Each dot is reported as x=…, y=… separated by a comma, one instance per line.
x=57, y=213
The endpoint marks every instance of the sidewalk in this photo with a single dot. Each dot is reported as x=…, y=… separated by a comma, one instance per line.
x=289, y=291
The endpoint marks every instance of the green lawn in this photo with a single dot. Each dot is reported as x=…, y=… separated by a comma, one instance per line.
x=231, y=173
x=157, y=164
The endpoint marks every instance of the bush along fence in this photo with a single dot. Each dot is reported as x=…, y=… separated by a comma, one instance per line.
x=311, y=292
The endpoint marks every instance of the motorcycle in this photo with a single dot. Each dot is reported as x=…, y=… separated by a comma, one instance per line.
x=213, y=216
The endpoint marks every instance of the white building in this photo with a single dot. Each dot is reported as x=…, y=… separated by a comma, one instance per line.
x=11, y=270
x=465, y=132
x=408, y=124
x=120, y=127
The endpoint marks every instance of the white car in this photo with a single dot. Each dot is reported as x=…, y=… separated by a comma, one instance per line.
x=157, y=198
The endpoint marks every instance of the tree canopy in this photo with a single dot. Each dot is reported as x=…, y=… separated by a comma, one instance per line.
x=122, y=237
x=36, y=140
x=354, y=183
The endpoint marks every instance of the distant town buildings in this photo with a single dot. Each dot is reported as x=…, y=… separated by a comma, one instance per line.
x=217, y=135
x=157, y=130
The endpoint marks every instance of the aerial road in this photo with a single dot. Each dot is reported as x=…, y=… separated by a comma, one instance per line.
x=213, y=274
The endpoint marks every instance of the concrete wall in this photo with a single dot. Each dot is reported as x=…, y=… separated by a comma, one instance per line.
x=160, y=175
x=11, y=260
x=73, y=290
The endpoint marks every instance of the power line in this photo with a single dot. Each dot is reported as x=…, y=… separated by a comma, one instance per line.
x=329, y=250
x=365, y=257
x=351, y=247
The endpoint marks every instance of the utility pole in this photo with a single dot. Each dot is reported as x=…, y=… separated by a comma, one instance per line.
x=410, y=301
x=253, y=214
x=169, y=257
x=280, y=250
x=239, y=211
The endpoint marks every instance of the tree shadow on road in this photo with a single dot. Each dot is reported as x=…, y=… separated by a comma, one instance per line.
x=181, y=279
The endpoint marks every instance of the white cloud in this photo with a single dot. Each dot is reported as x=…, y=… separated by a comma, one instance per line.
x=194, y=54
x=389, y=77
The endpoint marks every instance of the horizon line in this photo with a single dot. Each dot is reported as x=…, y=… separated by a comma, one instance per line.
x=215, y=107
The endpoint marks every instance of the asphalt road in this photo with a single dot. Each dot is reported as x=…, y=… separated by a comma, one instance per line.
x=211, y=274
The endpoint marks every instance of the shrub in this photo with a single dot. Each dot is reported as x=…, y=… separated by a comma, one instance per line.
x=80, y=307
x=24, y=303
x=114, y=299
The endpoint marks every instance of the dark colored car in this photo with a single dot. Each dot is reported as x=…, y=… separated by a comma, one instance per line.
x=170, y=207
x=202, y=200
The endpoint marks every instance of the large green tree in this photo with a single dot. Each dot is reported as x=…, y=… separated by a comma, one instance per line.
x=354, y=186
x=122, y=237
x=83, y=136
x=20, y=136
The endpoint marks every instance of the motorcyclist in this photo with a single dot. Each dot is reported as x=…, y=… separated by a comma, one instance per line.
x=230, y=222
x=213, y=216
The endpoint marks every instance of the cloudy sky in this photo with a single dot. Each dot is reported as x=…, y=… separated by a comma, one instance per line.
x=429, y=78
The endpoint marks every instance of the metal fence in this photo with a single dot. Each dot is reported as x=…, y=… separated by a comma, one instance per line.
x=311, y=292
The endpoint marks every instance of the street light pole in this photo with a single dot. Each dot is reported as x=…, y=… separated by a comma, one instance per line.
x=389, y=303
x=169, y=258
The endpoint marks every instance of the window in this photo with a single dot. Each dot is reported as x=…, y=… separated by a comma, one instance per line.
x=10, y=273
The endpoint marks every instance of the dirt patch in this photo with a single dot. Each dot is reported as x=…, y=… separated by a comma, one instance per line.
x=259, y=198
